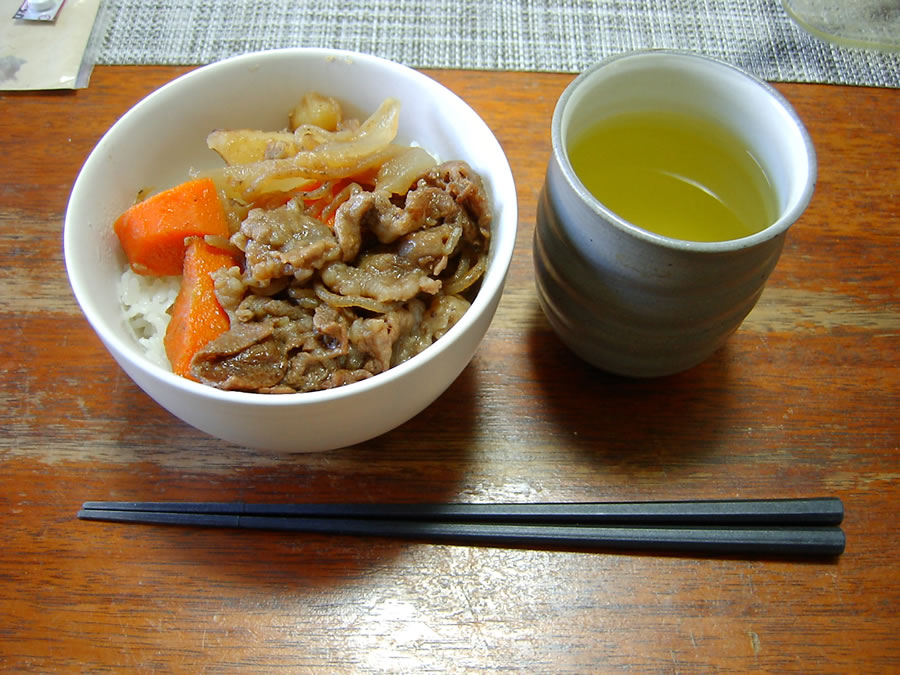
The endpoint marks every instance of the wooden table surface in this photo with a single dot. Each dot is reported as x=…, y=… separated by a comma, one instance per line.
x=802, y=401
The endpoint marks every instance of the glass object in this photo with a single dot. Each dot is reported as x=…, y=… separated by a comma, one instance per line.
x=873, y=24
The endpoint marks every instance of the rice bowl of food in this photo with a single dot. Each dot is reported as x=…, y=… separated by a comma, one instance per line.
x=294, y=250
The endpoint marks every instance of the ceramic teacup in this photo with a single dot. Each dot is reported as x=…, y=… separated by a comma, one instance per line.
x=641, y=304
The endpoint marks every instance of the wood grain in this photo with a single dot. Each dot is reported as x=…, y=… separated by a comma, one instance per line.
x=802, y=401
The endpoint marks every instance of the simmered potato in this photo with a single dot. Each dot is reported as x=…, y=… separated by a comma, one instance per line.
x=247, y=146
x=318, y=111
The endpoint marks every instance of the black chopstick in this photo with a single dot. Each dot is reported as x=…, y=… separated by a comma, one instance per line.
x=810, y=511
x=781, y=527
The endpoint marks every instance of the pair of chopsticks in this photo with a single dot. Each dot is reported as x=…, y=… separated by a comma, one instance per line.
x=806, y=527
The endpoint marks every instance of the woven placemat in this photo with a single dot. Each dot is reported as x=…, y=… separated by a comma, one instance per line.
x=523, y=35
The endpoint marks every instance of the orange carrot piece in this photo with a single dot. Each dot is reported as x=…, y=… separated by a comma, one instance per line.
x=197, y=316
x=153, y=232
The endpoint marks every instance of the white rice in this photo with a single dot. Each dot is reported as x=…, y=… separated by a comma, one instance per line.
x=146, y=303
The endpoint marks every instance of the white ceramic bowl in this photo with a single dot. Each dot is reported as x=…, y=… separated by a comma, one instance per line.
x=160, y=139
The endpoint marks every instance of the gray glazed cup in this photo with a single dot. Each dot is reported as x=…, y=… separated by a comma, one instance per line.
x=633, y=302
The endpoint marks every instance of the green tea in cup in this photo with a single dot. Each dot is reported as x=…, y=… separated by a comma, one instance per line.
x=676, y=174
x=672, y=182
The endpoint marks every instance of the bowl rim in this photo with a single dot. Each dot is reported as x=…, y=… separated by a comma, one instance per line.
x=492, y=282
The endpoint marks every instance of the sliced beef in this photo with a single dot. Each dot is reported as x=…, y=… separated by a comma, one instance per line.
x=377, y=337
x=259, y=307
x=348, y=224
x=230, y=287
x=375, y=212
x=281, y=355
x=385, y=277
x=465, y=186
x=284, y=242
x=430, y=249
x=244, y=358
x=333, y=327
x=431, y=324
x=314, y=308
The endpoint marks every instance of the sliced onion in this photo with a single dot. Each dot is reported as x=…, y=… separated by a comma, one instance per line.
x=247, y=146
x=336, y=300
x=399, y=173
x=339, y=199
x=274, y=287
x=465, y=275
x=367, y=148
x=304, y=296
x=224, y=244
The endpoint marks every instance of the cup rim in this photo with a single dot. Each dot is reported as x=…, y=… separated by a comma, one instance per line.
x=775, y=229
